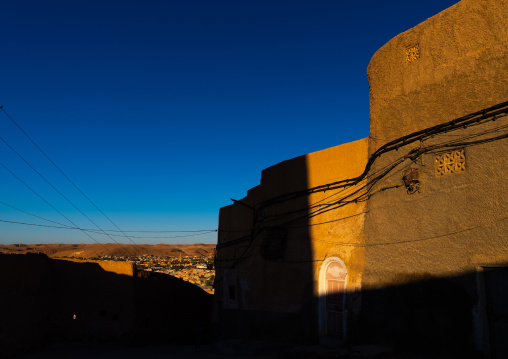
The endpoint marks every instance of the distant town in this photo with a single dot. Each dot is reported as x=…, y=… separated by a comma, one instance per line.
x=190, y=262
x=198, y=270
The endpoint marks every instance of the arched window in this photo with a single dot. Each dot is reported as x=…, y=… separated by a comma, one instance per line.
x=332, y=297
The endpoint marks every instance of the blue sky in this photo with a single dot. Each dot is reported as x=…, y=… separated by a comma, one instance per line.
x=161, y=111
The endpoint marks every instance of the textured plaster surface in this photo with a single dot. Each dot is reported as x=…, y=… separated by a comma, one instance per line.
x=338, y=233
x=455, y=223
x=463, y=67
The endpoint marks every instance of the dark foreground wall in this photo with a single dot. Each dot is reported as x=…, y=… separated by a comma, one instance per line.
x=170, y=310
x=272, y=326
x=462, y=316
x=428, y=315
x=43, y=300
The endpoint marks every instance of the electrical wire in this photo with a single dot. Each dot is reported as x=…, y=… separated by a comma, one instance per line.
x=94, y=231
x=43, y=225
x=62, y=172
x=413, y=154
x=45, y=201
x=331, y=221
x=184, y=231
x=56, y=189
x=61, y=225
x=420, y=239
x=33, y=215
x=464, y=122
x=489, y=114
x=360, y=245
x=160, y=237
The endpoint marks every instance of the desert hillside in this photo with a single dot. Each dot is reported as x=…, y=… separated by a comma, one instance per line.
x=124, y=250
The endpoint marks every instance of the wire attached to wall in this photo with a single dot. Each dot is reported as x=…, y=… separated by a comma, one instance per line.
x=363, y=193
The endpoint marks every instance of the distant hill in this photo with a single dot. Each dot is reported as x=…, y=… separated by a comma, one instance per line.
x=95, y=250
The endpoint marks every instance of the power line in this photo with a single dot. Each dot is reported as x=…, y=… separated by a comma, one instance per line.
x=360, y=245
x=162, y=237
x=95, y=231
x=43, y=225
x=61, y=171
x=52, y=186
x=420, y=239
x=185, y=231
x=385, y=170
x=45, y=201
x=473, y=119
x=331, y=221
x=413, y=154
x=31, y=214
x=63, y=226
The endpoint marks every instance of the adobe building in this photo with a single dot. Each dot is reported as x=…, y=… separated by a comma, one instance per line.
x=398, y=239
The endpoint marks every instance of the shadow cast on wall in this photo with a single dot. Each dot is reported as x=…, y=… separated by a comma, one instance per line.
x=429, y=315
x=461, y=316
x=264, y=262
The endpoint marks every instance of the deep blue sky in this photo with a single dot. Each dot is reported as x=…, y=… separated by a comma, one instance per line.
x=160, y=111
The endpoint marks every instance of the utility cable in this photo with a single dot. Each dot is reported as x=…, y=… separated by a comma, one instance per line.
x=49, y=204
x=34, y=215
x=409, y=241
x=62, y=172
x=482, y=116
x=58, y=191
x=159, y=237
x=44, y=225
x=61, y=225
x=185, y=231
x=459, y=142
x=413, y=154
x=89, y=230
x=421, y=239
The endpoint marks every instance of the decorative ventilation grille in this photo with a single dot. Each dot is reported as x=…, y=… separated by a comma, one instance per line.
x=451, y=162
x=412, y=53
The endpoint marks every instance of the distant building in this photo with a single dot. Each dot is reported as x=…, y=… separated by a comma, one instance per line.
x=400, y=238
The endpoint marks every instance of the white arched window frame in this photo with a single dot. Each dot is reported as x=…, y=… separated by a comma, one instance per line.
x=339, y=269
